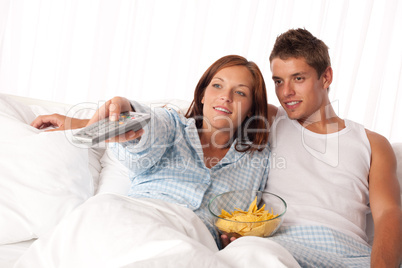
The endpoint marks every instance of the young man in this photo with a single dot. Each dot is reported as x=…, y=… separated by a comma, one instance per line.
x=331, y=171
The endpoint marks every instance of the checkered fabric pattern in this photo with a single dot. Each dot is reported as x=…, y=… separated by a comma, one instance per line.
x=319, y=246
x=168, y=164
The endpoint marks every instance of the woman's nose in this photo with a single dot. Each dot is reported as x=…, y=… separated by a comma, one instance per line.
x=226, y=96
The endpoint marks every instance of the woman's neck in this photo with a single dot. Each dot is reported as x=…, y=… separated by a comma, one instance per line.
x=215, y=139
x=215, y=145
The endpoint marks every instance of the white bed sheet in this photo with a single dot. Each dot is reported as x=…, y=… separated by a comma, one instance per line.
x=10, y=253
x=192, y=247
x=111, y=230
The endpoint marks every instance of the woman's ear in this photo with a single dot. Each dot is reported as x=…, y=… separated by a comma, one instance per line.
x=202, y=100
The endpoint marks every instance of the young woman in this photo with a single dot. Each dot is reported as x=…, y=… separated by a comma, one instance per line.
x=220, y=145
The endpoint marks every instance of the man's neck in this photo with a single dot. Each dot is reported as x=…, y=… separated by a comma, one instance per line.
x=323, y=121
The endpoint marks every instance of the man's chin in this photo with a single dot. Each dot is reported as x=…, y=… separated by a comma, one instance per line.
x=292, y=114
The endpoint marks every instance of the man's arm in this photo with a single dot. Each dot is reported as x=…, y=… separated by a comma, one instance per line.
x=272, y=110
x=61, y=122
x=385, y=203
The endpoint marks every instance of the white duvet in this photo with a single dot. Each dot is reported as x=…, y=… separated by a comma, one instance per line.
x=111, y=230
x=48, y=194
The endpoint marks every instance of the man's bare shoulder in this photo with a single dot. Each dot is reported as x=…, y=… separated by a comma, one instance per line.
x=381, y=148
x=376, y=139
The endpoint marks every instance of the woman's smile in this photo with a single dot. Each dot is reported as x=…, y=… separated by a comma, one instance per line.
x=222, y=109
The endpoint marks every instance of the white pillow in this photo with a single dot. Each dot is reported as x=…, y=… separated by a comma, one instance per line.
x=84, y=111
x=114, y=177
x=43, y=178
x=20, y=109
x=42, y=175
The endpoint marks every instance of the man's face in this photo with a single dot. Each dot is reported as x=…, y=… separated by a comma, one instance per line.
x=298, y=88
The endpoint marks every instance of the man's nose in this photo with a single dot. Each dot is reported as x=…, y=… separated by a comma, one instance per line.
x=288, y=89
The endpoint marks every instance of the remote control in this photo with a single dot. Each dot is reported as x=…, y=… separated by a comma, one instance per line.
x=106, y=129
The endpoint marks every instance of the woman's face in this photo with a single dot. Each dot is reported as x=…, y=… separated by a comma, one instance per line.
x=228, y=99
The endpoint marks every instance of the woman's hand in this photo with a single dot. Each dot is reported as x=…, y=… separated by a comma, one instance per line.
x=112, y=109
x=59, y=121
x=226, y=239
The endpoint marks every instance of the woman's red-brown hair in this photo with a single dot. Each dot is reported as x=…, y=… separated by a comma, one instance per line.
x=253, y=133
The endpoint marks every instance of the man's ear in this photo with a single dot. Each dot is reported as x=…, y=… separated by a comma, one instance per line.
x=327, y=77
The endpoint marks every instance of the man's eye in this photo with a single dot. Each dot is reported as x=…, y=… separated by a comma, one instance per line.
x=299, y=78
x=277, y=82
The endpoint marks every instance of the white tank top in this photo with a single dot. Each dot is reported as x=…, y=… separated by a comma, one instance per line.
x=322, y=177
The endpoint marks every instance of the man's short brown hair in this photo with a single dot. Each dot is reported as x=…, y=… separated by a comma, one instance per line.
x=300, y=43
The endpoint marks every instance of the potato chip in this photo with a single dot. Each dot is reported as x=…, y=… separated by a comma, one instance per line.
x=251, y=222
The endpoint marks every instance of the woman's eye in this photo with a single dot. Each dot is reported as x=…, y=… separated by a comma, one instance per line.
x=240, y=93
x=217, y=86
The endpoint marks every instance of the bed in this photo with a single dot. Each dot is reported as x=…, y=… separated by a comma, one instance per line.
x=66, y=206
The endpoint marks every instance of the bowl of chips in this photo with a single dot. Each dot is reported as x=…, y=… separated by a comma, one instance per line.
x=247, y=213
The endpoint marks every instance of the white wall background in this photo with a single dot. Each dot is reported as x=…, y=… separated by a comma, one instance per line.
x=85, y=50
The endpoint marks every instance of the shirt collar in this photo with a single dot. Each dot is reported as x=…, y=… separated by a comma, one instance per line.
x=231, y=156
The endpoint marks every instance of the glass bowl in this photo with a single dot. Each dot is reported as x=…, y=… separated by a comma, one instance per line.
x=244, y=224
